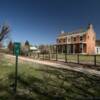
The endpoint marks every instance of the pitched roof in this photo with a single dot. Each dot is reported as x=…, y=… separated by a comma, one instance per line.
x=80, y=31
x=33, y=48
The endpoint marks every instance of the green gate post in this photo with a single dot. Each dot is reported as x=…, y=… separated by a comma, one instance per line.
x=16, y=53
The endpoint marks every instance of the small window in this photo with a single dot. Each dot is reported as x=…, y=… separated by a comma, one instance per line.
x=74, y=38
x=63, y=40
x=81, y=38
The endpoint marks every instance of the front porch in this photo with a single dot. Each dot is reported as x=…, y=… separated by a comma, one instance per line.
x=72, y=48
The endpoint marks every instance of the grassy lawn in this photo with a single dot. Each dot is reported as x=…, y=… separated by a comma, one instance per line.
x=40, y=82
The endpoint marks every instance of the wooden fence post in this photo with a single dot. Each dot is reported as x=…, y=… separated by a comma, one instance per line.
x=43, y=56
x=49, y=55
x=66, y=53
x=56, y=53
x=94, y=60
x=78, y=59
x=38, y=55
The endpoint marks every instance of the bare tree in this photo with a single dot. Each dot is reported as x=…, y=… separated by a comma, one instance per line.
x=4, y=32
x=44, y=48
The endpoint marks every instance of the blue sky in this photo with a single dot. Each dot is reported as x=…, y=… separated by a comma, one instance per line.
x=40, y=21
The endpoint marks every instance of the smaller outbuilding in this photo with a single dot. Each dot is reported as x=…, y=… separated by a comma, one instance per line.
x=97, y=48
x=34, y=49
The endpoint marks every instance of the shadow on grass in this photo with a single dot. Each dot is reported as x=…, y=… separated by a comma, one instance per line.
x=81, y=84
x=33, y=85
x=54, y=84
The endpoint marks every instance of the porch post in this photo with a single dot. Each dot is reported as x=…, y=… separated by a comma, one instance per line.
x=73, y=48
x=82, y=47
x=56, y=52
x=62, y=49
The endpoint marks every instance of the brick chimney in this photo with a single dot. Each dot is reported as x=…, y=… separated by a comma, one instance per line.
x=90, y=26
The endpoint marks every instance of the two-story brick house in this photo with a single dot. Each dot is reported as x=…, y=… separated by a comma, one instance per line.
x=82, y=41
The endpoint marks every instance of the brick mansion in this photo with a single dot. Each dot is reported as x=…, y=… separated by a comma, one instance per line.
x=82, y=41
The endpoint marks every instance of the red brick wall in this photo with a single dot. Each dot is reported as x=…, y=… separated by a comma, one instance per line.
x=90, y=40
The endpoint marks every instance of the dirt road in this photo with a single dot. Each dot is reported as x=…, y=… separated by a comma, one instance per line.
x=59, y=65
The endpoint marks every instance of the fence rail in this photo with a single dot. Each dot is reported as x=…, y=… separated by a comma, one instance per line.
x=73, y=58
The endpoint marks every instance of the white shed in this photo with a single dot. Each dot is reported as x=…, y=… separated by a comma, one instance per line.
x=97, y=49
x=32, y=48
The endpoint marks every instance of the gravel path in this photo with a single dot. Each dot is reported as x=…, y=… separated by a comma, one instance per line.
x=59, y=65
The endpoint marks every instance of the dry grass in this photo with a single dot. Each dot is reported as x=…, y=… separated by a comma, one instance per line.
x=40, y=82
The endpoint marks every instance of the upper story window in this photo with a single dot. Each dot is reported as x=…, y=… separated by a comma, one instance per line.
x=63, y=40
x=74, y=38
x=84, y=37
x=81, y=38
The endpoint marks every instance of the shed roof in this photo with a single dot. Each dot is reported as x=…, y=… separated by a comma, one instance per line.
x=33, y=48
